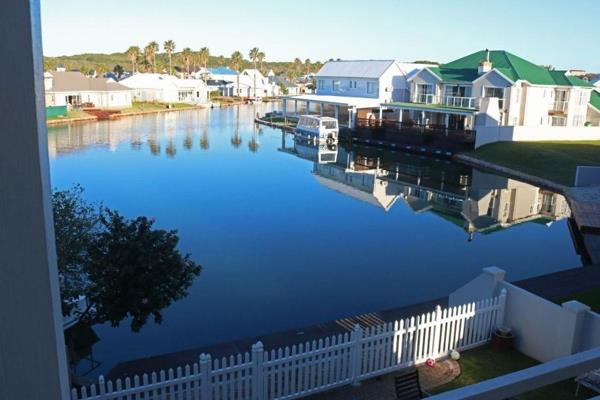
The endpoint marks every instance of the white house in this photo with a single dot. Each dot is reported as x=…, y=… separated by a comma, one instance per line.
x=501, y=96
x=252, y=83
x=167, y=88
x=75, y=90
x=350, y=89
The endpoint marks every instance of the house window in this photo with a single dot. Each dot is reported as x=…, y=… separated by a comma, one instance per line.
x=370, y=87
x=335, y=85
x=320, y=84
x=495, y=92
x=579, y=120
x=558, y=121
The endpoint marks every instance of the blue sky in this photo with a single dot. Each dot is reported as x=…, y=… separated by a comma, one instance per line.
x=560, y=33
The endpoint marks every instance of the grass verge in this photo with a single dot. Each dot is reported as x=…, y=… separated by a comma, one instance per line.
x=484, y=363
x=555, y=161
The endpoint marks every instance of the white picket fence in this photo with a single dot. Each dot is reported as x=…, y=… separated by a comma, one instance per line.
x=314, y=367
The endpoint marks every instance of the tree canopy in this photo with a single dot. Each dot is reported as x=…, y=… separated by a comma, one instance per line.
x=125, y=268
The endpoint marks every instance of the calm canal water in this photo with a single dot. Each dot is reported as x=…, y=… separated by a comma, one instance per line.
x=286, y=241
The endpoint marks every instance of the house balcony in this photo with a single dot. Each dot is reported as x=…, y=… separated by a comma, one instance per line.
x=448, y=101
x=559, y=107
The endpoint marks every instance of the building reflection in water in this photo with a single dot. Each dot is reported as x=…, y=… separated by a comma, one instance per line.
x=474, y=200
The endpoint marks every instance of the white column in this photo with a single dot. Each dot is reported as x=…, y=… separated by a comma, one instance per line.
x=296, y=107
x=307, y=107
x=285, y=107
x=321, y=109
x=33, y=362
x=447, y=122
x=380, y=115
x=337, y=112
x=400, y=115
x=349, y=117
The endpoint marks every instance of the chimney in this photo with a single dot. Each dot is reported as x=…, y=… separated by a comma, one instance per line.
x=485, y=65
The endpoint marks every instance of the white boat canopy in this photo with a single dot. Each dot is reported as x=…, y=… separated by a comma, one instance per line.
x=347, y=104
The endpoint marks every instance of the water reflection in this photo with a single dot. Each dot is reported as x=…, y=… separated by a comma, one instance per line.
x=252, y=203
x=471, y=199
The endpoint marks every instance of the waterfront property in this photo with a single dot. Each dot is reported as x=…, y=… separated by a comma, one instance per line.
x=348, y=90
x=176, y=166
x=252, y=83
x=75, y=90
x=502, y=97
x=594, y=109
x=150, y=87
x=221, y=79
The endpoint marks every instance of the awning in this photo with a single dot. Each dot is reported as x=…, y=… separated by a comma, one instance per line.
x=345, y=101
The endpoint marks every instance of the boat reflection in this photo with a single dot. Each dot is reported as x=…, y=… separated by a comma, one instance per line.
x=474, y=200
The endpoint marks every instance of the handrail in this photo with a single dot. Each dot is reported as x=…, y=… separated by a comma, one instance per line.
x=523, y=381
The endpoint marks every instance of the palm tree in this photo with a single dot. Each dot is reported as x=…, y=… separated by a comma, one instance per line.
x=150, y=52
x=261, y=57
x=307, y=65
x=187, y=55
x=236, y=62
x=254, y=57
x=169, y=47
x=204, y=56
x=297, y=67
x=118, y=70
x=133, y=53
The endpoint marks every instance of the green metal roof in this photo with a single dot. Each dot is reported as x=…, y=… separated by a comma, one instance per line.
x=595, y=100
x=513, y=67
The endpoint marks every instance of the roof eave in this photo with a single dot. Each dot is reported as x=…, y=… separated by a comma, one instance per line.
x=430, y=71
x=499, y=73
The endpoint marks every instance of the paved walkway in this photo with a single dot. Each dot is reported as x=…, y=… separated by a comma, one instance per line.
x=561, y=285
x=271, y=341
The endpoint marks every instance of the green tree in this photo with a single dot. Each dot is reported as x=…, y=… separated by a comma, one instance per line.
x=204, y=56
x=261, y=57
x=169, y=47
x=186, y=56
x=307, y=66
x=150, y=53
x=236, y=62
x=124, y=268
x=118, y=71
x=254, y=58
x=133, y=53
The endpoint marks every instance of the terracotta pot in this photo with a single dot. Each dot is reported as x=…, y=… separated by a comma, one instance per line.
x=502, y=339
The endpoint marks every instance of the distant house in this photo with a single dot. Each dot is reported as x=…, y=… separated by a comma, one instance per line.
x=74, y=89
x=252, y=83
x=353, y=89
x=167, y=88
x=291, y=88
x=222, y=74
x=501, y=96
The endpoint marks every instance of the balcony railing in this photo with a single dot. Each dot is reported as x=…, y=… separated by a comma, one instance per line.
x=461, y=102
x=426, y=98
x=560, y=106
x=450, y=101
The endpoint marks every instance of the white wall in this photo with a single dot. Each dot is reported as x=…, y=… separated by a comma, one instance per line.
x=489, y=134
x=590, y=332
x=543, y=330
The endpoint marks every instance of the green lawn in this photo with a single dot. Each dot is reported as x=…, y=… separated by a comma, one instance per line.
x=589, y=297
x=484, y=363
x=72, y=114
x=152, y=106
x=555, y=161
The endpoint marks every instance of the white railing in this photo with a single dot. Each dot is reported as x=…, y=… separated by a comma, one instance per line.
x=461, y=102
x=426, y=98
x=316, y=366
x=560, y=106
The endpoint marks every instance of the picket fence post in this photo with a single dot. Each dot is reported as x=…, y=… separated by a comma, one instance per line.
x=356, y=354
x=258, y=382
x=502, y=309
x=205, y=378
x=435, y=351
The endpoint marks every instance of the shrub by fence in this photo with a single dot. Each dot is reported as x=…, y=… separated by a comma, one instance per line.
x=316, y=366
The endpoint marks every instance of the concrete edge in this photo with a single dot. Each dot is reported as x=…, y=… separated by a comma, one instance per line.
x=512, y=173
